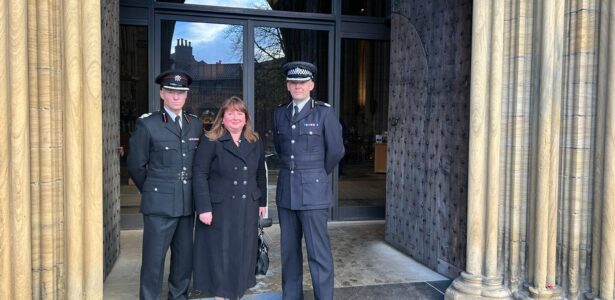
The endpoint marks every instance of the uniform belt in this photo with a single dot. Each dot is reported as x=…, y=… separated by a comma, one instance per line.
x=183, y=175
x=306, y=165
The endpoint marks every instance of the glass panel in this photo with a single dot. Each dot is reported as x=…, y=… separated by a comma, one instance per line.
x=311, y=6
x=273, y=47
x=213, y=55
x=364, y=91
x=133, y=103
x=368, y=8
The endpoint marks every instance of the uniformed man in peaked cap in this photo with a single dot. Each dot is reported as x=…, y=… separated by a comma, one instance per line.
x=308, y=140
x=160, y=163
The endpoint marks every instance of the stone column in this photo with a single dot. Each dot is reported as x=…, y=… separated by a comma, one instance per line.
x=557, y=176
x=603, y=261
x=549, y=33
x=482, y=279
x=50, y=155
x=15, y=176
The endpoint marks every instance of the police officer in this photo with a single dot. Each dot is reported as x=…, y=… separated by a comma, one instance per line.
x=160, y=163
x=308, y=140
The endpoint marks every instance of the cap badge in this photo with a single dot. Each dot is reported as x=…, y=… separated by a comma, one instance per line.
x=178, y=78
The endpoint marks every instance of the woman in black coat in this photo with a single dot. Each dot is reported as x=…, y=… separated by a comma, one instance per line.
x=229, y=188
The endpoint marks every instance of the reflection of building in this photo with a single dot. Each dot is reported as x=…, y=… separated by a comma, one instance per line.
x=212, y=83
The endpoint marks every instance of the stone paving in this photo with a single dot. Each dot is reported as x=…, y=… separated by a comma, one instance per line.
x=366, y=267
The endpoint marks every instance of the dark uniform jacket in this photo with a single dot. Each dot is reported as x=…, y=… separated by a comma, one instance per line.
x=309, y=149
x=160, y=163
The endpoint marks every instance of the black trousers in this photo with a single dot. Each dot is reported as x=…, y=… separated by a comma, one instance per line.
x=312, y=225
x=158, y=234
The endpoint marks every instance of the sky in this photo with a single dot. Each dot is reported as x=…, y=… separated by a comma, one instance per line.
x=229, y=3
x=209, y=41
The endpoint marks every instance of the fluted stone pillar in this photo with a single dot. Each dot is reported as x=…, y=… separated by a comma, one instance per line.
x=50, y=155
x=549, y=34
x=556, y=171
x=603, y=278
x=482, y=278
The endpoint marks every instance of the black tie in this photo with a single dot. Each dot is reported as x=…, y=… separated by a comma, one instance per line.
x=295, y=112
x=178, y=122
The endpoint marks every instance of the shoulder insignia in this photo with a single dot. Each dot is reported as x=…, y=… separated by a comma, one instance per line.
x=193, y=115
x=281, y=104
x=145, y=115
x=323, y=103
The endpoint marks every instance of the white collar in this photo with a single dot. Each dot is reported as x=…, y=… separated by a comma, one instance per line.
x=301, y=104
x=172, y=115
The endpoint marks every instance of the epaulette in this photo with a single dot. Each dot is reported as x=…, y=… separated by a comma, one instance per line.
x=282, y=104
x=323, y=103
x=193, y=115
x=145, y=115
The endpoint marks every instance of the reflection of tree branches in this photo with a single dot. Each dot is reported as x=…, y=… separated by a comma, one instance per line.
x=235, y=35
x=267, y=42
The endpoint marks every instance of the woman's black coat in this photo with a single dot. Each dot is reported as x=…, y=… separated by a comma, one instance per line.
x=230, y=182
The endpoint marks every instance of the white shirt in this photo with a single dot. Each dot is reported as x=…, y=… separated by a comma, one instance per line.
x=301, y=104
x=172, y=116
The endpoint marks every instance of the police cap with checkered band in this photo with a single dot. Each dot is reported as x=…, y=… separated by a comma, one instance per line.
x=299, y=71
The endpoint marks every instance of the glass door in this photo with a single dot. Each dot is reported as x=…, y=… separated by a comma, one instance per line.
x=364, y=94
x=212, y=53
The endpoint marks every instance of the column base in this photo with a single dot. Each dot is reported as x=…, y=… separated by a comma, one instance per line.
x=544, y=293
x=468, y=286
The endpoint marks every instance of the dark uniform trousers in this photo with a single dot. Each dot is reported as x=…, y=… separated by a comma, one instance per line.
x=310, y=146
x=311, y=224
x=160, y=232
x=160, y=163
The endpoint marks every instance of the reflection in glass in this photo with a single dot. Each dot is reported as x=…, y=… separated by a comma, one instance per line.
x=367, y=8
x=364, y=91
x=133, y=84
x=213, y=55
x=312, y=6
x=272, y=48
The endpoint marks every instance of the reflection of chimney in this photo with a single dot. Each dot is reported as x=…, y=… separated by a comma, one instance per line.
x=183, y=53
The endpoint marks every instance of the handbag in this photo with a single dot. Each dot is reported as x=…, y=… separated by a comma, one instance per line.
x=262, y=253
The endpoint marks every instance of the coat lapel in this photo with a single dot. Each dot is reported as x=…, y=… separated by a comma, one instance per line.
x=168, y=123
x=185, y=126
x=245, y=148
x=240, y=152
x=289, y=111
x=305, y=111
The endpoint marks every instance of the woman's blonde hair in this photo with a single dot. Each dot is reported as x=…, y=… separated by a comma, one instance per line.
x=218, y=130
